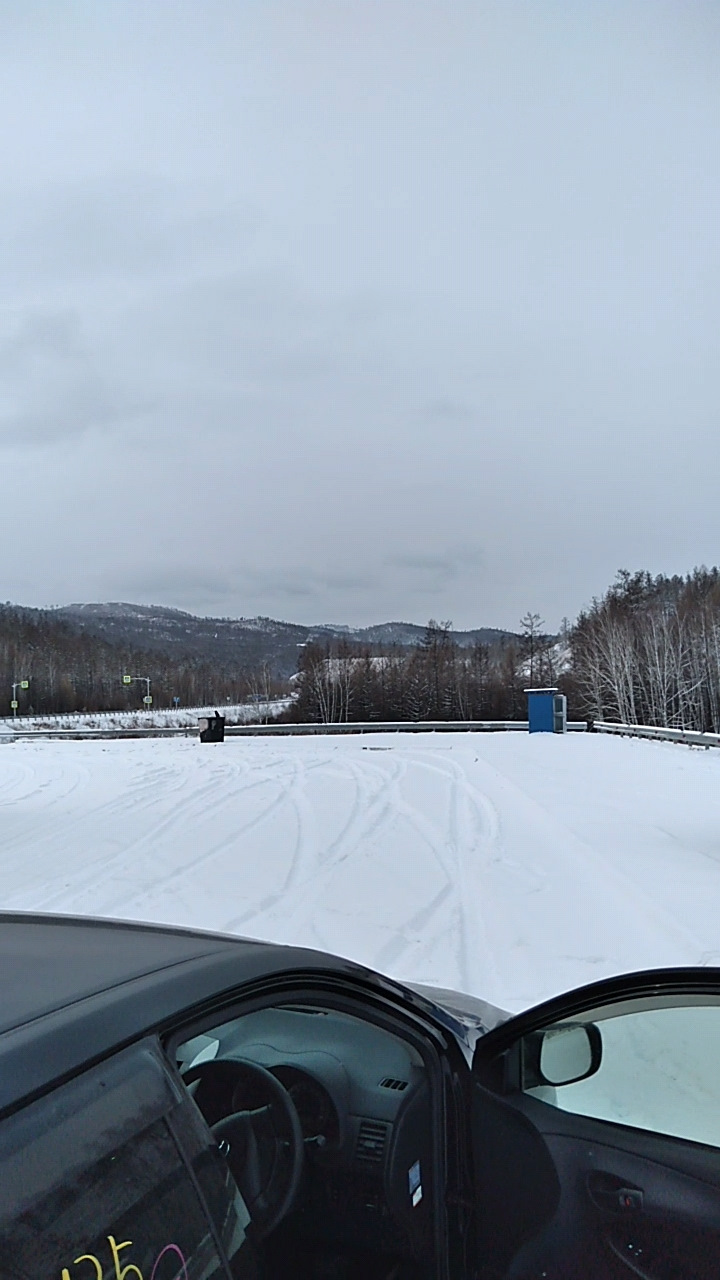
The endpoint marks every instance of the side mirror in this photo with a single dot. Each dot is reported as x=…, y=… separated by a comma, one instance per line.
x=562, y=1055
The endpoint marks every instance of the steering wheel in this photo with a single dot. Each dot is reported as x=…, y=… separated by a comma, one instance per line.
x=263, y=1145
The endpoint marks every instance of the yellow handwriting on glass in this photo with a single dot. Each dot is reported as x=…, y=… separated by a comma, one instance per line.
x=122, y=1271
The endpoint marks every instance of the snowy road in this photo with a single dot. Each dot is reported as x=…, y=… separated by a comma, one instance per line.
x=505, y=865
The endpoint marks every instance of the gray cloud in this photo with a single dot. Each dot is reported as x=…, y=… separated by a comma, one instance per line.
x=178, y=582
x=424, y=564
x=357, y=312
x=54, y=385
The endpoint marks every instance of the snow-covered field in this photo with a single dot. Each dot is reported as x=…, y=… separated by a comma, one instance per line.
x=506, y=865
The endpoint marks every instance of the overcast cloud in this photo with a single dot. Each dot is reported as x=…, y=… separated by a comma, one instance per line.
x=352, y=310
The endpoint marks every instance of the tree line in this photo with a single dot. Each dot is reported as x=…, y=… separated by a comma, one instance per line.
x=435, y=680
x=68, y=670
x=648, y=651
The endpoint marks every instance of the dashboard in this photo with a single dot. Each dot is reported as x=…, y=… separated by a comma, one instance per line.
x=318, y=1115
x=362, y=1097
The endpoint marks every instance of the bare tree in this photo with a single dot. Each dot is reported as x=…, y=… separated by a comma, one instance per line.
x=649, y=651
x=535, y=646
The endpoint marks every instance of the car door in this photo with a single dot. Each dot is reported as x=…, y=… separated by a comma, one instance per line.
x=595, y=1133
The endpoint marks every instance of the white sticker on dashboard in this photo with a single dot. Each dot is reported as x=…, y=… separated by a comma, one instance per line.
x=415, y=1183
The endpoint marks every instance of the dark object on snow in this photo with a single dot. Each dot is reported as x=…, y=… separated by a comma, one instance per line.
x=212, y=728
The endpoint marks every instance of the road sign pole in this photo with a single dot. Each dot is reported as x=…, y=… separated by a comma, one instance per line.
x=17, y=684
x=147, y=700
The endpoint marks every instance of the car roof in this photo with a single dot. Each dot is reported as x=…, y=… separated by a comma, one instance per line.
x=75, y=989
x=50, y=963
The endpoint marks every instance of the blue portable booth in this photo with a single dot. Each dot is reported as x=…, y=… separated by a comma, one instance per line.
x=547, y=711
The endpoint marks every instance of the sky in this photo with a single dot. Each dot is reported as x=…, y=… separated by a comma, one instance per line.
x=355, y=310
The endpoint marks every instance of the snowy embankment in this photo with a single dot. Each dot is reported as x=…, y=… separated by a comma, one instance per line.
x=505, y=865
x=180, y=718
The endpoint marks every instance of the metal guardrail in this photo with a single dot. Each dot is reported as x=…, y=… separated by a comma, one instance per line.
x=287, y=730
x=79, y=735
x=377, y=726
x=689, y=736
x=391, y=726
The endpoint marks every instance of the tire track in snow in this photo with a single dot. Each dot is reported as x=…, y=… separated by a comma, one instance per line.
x=370, y=812
x=475, y=828
x=105, y=814
x=438, y=920
x=70, y=893
x=361, y=822
x=77, y=776
x=605, y=870
x=556, y=921
x=454, y=913
x=171, y=880
x=489, y=889
x=442, y=911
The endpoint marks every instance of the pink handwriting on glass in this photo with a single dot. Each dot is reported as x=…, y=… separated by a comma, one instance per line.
x=129, y=1268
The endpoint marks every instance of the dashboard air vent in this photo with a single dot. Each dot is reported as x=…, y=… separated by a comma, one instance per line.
x=389, y=1083
x=370, y=1143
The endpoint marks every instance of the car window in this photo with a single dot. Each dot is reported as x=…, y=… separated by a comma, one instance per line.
x=659, y=1071
x=325, y=1119
x=219, y=1189
x=94, y=1185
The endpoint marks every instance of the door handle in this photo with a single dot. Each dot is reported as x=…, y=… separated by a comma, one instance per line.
x=612, y=1195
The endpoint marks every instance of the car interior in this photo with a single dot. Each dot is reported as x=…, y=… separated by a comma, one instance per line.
x=325, y=1119
x=607, y=1129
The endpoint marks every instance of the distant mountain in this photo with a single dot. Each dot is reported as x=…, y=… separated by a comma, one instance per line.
x=408, y=633
x=122, y=610
x=248, y=642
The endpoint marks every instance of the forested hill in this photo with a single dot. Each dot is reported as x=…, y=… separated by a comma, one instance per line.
x=647, y=651
x=75, y=657
x=250, y=642
x=70, y=669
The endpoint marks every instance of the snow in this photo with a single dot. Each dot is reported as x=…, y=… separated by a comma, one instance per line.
x=509, y=866
x=180, y=718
